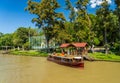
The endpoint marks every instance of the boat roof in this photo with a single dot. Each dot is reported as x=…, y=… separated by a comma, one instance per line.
x=77, y=45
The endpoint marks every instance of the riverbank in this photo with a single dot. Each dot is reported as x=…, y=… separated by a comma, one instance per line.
x=105, y=57
x=29, y=53
x=97, y=55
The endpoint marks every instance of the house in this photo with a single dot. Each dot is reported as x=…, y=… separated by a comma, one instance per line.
x=75, y=48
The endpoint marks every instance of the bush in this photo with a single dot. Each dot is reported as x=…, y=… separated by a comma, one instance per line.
x=29, y=53
x=115, y=48
x=96, y=41
x=26, y=46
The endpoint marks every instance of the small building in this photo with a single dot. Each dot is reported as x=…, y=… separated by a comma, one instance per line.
x=75, y=48
x=39, y=42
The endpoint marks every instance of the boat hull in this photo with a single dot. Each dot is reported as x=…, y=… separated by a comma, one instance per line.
x=71, y=64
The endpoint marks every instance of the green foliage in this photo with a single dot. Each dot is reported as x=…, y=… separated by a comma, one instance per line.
x=26, y=46
x=116, y=45
x=109, y=22
x=102, y=29
x=21, y=36
x=69, y=6
x=29, y=53
x=45, y=10
x=107, y=25
x=102, y=56
x=117, y=12
x=6, y=40
x=83, y=26
x=96, y=41
x=47, y=17
x=1, y=34
x=64, y=34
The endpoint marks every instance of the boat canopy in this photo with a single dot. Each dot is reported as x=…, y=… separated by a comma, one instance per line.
x=77, y=45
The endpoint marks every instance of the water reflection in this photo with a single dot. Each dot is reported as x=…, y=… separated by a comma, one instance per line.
x=25, y=69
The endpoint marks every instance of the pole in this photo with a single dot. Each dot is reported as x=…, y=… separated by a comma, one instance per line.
x=29, y=38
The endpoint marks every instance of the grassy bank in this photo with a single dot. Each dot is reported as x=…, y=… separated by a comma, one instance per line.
x=102, y=56
x=29, y=53
x=96, y=56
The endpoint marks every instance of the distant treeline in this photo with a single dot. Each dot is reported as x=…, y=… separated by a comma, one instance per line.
x=99, y=29
x=20, y=38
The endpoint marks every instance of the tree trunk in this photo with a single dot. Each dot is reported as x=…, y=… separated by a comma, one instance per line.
x=119, y=34
x=106, y=46
x=47, y=42
x=92, y=48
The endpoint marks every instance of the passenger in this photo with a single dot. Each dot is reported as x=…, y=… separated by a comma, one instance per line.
x=54, y=54
x=62, y=54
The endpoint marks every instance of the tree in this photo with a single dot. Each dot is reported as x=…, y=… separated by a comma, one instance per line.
x=6, y=40
x=118, y=14
x=21, y=36
x=65, y=35
x=71, y=9
x=82, y=22
x=1, y=34
x=107, y=23
x=103, y=14
x=47, y=17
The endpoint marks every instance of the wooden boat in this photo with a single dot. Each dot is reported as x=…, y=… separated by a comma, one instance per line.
x=69, y=61
x=75, y=49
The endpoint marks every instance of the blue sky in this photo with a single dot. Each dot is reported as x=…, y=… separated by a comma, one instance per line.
x=13, y=16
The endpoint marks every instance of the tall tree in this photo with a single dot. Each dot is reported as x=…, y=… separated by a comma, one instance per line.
x=71, y=9
x=94, y=40
x=107, y=23
x=118, y=14
x=1, y=34
x=6, y=40
x=47, y=17
x=83, y=22
x=21, y=36
x=65, y=35
x=102, y=13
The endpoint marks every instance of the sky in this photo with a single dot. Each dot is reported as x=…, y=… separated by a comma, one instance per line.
x=13, y=14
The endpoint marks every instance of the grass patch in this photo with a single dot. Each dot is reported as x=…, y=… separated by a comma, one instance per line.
x=29, y=53
x=102, y=56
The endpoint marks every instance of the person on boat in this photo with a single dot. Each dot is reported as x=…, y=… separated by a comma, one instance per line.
x=62, y=54
x=54, y=54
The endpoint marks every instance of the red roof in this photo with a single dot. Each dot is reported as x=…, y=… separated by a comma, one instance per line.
x=77, y=45
x=64, y=45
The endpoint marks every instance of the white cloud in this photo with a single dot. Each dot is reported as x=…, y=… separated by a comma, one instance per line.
x=75, y=9
x=95, y=3
x=92, y=1
x=99, y=2
x=109, y=1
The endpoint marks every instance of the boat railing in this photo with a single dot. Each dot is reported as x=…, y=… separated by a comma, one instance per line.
x=67, y=58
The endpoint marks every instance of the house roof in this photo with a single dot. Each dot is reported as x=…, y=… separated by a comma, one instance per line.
x=64, y=45
x=77, y=45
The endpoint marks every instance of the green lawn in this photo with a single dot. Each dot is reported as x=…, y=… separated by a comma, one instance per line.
x=102, y=56
x=96, y=55
x=29, y=53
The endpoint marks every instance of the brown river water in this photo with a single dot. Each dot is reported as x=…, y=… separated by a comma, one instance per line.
x=27, y=69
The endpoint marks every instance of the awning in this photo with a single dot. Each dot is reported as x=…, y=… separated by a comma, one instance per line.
x=64, y=45
x=77, y=45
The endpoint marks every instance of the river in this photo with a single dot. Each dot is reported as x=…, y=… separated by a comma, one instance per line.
x=27, y=69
